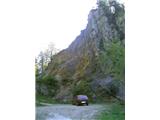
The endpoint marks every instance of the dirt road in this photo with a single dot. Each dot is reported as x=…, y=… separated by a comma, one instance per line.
x=68, y=112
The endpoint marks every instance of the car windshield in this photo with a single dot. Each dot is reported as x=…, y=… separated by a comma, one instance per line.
x=82, y=97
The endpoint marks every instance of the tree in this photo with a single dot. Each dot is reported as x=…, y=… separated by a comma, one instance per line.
x=41, y=62
x=112, y=60
x=36, y=68
x=49, y=52
x=44, y=58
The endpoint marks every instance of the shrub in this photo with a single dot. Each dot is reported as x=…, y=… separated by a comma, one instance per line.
x=83, y=87
x=112, y=59
x=50, y=83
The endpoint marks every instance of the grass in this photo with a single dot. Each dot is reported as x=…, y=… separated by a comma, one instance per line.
x=40, y=100
x=116, y=112
x=44, y=99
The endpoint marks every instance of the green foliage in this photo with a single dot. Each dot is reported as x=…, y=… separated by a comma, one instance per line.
x=101, y=45
x=51, y=85
x=116, y=20
x=44, y=59
x=102, y=3
x=36, y=70
x=44, y=99
x=116, y=112
x=112, y=60
x=50, y=81
x=83, y=87
x=65, y=81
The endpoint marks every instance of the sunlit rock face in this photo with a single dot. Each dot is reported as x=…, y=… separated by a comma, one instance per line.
x=78, y=61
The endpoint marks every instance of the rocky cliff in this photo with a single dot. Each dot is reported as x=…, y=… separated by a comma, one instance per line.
x=78, y=65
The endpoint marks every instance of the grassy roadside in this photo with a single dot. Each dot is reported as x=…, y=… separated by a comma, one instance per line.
x=43, y=99
x=116, y=112
x=40, y=99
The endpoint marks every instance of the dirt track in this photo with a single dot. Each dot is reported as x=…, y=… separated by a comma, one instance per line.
x=68, y=112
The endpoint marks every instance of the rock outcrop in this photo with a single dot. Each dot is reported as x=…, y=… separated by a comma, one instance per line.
x=79, y=61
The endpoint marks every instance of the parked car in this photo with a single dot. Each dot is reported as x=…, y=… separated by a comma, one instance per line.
x=80, y=100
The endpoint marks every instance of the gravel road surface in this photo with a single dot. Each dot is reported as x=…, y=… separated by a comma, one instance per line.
x=68, y=112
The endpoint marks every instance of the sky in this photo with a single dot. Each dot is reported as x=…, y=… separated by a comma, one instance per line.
x=60, y=22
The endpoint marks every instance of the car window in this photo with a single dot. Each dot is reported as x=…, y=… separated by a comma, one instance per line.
x=82, y=97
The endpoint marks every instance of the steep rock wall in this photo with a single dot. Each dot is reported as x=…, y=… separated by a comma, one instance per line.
x=79, y=61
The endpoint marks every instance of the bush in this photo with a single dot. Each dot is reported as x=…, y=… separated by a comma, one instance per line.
x=83, y=87
x=48, y=85
x=50, y=81
x=112, y=60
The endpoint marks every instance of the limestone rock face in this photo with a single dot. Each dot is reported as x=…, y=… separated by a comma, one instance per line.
x=78, y=61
